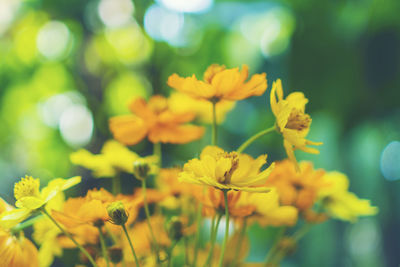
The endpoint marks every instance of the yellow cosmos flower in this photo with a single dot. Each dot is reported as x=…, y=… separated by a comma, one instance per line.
x=267, y=210
x=291, y=120
x=296, y=188
x=155, y=120
x=183, y=103
x=114, y=157
x=17, y=251
x=10, y=216
x=340, y=203
x=221, y=83
x=29, y=197
x=227, y=171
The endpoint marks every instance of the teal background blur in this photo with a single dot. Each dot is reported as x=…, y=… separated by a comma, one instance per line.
x=66, y=66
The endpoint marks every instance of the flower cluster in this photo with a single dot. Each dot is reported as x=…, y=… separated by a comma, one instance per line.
x=160, y=223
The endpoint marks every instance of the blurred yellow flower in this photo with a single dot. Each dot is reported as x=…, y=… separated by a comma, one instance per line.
x=267, y=210
x=114, y=157
x=227, y=171
x=291, y=120
x=180, y=102
x=10, y=216
x=155, y=120
x=296, y=188
x=340, y=203
x=27, y=192
x=263, y=208
x=221, y=83
x=17, y=251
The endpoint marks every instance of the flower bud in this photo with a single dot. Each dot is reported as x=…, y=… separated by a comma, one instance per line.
x=141, y=169
x=175, y=229
x=116, y=254
x=117, y=213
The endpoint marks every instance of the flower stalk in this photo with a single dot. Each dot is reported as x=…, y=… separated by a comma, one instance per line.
x=221, y=259
x=81, y=248
x=254, y=138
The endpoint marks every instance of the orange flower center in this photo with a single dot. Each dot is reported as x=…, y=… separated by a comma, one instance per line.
x=298, y=120
x=233, y=156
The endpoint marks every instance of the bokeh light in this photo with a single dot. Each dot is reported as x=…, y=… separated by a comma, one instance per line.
x=390, y=161
x=190, y=6
x=54, y=40
x=115, y=13
x=76, y=125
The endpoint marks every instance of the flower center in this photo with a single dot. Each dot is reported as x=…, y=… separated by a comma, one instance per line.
x=298, y=120
x=233, y=156
x=27, y=187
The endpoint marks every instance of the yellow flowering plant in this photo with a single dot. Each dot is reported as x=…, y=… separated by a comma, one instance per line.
x=166, y=221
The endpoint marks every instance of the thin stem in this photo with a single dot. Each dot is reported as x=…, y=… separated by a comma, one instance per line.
x=131, y=245
x=274, y=248
x=103, y=246
x=221, y=259
x=157, y=151
x=197, y=236
x=25, y=224
x=186, y=244
x=84, y=251
x=301, y=232
x=214, y=124
x=116, y=184
x=213, y=238
x=255, y=137
x=240, y=242
x=146, y=210
x=170, y=254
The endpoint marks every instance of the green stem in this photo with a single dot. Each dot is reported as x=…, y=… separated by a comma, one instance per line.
x=214, y=123
x=197, y=236
x=239, y=245
x=25, y=224
x=214, y=232
x=157, y=151
x=103, y=246
x=186, y=244
x=170, y=254
x=146, y=210
x=116, y=184
x=271, y=253
x=221, y=259
x=255, y=137
x=131, y=245
x=82, y=249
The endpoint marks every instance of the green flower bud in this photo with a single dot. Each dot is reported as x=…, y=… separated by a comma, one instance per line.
x=141, y=169
x=117, y=213
x=116, y=254
x=175, y=229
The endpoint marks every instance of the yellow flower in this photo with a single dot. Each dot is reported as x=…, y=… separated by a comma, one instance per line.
x=17, y=251
x=267, y=210
x=340, y=203
x=263, y=208
x=291, y=120
x=221, y=83
x=10, y=216
x=46, y=233
x=227, y=171
x=296, y=188
x=155, y=120
x=27, y=192
x=114, y=157
x=183, y=103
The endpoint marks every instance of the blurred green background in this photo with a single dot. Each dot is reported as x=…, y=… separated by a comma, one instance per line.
x=66, y=66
